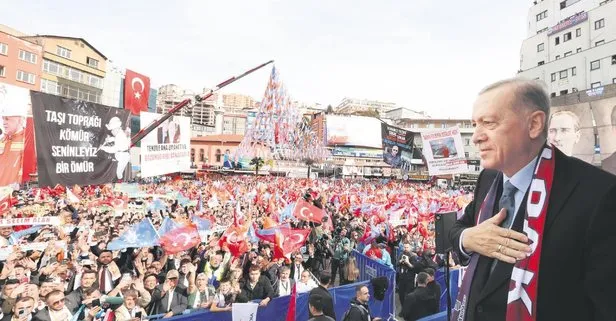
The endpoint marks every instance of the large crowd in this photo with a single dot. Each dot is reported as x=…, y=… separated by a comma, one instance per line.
x=72, y=275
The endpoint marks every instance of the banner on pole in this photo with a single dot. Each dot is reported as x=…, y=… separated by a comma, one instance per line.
x=78, y=142
x=444, y=151
x=166, y=149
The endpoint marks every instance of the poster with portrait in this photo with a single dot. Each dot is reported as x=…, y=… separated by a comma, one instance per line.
x=79, y=142
x=444, y=151
x=570, y=129
x=167, y=148
x=17, y=158
x=604, y=111
x=397, y=146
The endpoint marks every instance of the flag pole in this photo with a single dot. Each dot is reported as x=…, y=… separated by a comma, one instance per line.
x=143, y=132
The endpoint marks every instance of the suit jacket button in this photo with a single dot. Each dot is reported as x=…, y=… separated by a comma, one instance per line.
x=480, y=309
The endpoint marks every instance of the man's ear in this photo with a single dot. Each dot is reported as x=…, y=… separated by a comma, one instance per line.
x=536, y=124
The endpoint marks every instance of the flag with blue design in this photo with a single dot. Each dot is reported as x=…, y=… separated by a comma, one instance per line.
x=287, y=212
x=167, y=226
x=157, y=205
x=139, y=235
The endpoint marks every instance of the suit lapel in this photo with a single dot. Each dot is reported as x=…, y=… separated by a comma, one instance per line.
x=563, y=185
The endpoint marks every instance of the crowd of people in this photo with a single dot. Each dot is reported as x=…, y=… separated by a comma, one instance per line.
x=72, y=275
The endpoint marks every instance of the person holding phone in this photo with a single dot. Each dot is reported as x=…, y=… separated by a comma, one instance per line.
x=130, y=310
x=22, y=310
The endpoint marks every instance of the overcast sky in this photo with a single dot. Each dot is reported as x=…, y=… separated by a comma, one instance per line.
x=424, y=55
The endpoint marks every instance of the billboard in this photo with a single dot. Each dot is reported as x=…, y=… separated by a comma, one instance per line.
x=357, y=152
x=444, y=151
x=353, y=131
x=604, y=111
x=17, y=155
x=166, y=149
x=570, y=129
x=78, y=142
x=397, y=146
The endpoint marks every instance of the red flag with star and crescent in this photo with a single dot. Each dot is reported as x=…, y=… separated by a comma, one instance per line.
x=136, y=92
x=307, y=212
x=180, y=239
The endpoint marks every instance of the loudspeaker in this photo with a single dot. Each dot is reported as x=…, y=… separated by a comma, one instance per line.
x=443, y=223
x=380, y=286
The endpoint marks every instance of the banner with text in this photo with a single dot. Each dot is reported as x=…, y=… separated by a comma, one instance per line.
x=397, y=146
x=444, y=151
x=166, y=149
x=78, y=142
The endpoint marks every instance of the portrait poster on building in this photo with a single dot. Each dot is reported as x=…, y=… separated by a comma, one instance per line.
x=444, y=151
x=78, y=142
x=397, y=146
x=17, y=157
x=604, y=111
x=570, y=129
x=167, y=148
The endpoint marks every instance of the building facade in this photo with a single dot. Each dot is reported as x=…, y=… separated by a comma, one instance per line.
x=353, y=106
x=20, y=61
x=210, y=150
x=234, y=123
x=571, y=45
x=200, y=113
x=404, y=113
x=72, y=67
x=238, y=101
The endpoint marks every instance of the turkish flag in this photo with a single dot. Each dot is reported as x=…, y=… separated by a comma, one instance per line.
x=180, y=239
x=234, y=239
x=5, y=203
x=136, y=92
x=307, y=212
x=292, y=240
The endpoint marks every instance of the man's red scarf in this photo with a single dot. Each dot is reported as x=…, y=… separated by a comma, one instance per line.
x=522, y=297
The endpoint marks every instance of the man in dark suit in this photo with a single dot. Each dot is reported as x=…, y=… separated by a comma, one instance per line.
x=57, y=306
x=577, y=241
x=609, y=163
x=257, y=287
x=419, y=303
x=326, y=297
x=168, y=298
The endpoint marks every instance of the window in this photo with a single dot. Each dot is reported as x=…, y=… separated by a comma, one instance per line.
x=599, y=24
x=613, y=80
x=218, y=155
x=568, y=53
x=614, y=60
x=4, y=49
x=573, y=71
x=92, y=62
x=466, y=154
x=540, y=63
x=557, y=41
x=542, y=15
x=542, y=30
x=553, y=95
x=578, y=32
x=599, y=43
x=553, y=77
x=192, y=155
x=63, y=52
x=2, y=71
x=50, y=87
x=63, y=71
x=557, y=57
x=563, y=74
x=563, y=5
x=579, y=50
x=27, y=56
x=567, y=36
x=540, y=47
x=25, y=77
x=595, y=85
x=595, y=65
x=574, y=90
x=467, y=141
x=564, y=92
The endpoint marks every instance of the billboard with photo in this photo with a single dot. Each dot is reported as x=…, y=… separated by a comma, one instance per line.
x=79, y=142
x=604, y=111
x=570, y=129
x=397, y=146
x=353, y=131
x=17, y=155
x=444, y=151
x=167, y=148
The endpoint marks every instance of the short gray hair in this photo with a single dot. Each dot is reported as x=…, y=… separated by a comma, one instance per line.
x=528, y=93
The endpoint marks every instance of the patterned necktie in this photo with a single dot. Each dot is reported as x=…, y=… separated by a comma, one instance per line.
x=507, y=201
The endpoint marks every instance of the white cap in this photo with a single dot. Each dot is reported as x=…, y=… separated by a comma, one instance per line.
x=14, y=101
x=114, y=123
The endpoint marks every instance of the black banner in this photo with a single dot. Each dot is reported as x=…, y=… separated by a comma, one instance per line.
x=397, y=146
x=79, y=142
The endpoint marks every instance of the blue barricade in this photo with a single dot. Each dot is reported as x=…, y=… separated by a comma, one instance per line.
x=441, y=316
x=277, y=308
